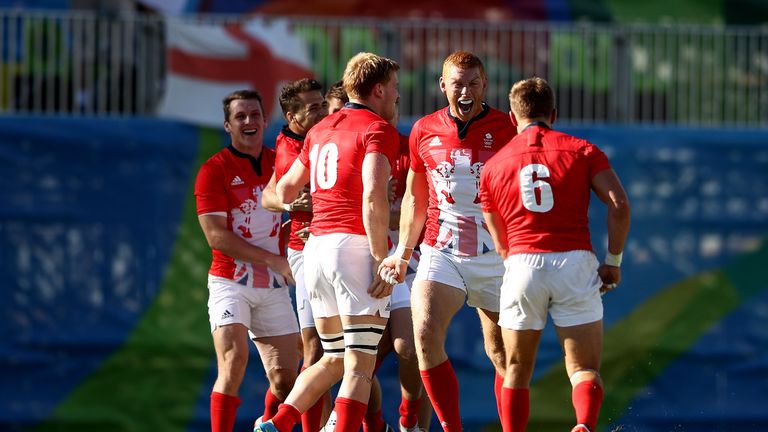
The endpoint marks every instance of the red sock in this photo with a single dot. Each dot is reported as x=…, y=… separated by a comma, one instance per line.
x=498, y=382
x=587, y=397
x=443, y=390
x=286, y=417
x=515, y=406
x=223, y=410
x=310, y=420
x=349, y=414
x=373, y=422
x=271, y=402
x=409, y=411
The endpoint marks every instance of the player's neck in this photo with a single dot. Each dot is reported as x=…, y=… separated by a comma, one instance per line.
x=250, y=149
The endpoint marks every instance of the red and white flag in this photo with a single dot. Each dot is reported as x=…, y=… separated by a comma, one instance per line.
x=208, y=61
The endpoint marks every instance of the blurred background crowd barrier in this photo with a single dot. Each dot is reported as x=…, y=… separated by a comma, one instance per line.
x=84, y=63
x=105, y=119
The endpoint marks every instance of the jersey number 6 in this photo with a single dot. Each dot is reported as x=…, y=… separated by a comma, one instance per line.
x=528, y=188
x=323, y=166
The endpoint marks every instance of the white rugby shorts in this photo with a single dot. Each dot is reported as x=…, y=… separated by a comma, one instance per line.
x=478, y=276
x=303, y=306
x=565, y=284
x=265, y=311
x=338, y=270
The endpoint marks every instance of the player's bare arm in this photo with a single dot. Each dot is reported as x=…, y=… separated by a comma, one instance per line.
x=271, y=202
x=221, y=238
x=292, y=183
x=413, y=214
x=608, y=188
x=375, y=174
x=498, y=230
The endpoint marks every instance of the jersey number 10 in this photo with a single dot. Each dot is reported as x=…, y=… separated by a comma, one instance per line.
x=323, y=166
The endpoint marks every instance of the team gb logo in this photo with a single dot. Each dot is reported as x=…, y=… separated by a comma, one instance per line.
x=488, y=140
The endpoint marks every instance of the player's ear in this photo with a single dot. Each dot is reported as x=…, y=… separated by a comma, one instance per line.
x=226, y=126
x=513, y=118
x=442, y=85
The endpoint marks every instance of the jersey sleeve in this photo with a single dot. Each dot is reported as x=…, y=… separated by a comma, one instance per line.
x=210, y=195
x=417, y=164
x=487, y=203
x=382, y=138
x=597, y=160
x=304, y=155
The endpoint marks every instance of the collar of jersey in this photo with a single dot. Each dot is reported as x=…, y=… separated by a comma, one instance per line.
x=353, y=105
x=461, y=127
x=536, y=123
x=255, y=162
x=291, y=134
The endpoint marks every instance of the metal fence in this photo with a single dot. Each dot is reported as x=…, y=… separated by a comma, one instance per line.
x=69, y=63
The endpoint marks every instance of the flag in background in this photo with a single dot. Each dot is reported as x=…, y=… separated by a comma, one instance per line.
x=207, y=61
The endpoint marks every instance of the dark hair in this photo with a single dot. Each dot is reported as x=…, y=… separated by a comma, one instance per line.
x=532, y=98
x=240, y=95
x=289, y=96
x=337, y=92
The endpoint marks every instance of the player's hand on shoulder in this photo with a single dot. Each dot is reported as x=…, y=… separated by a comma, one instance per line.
x=610, y=275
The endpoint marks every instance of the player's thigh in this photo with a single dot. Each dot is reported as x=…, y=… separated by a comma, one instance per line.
x=279, y=352
x=524, y=296
x=582, y=345
x=575, y=288
x=433, y=305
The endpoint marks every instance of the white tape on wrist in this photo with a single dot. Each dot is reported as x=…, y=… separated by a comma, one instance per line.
x=613, y=260
x=404, y=253
x=287, y=207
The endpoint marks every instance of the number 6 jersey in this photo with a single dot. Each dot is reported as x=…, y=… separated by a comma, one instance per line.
x=540, y=185
x=333, y=151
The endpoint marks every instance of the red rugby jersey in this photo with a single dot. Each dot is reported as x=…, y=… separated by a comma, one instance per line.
x=288, y=146
x=453, y=155
x=230, y=184
x=540, y=184
x=334, y=151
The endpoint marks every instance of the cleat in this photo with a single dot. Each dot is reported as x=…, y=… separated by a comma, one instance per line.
x=267, y=426
x=330, y=425
x=580, y=428
x=415, y=428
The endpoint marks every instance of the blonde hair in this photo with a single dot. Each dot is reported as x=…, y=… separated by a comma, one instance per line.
x=532, y=98
x=364, y=71
x=463, y=60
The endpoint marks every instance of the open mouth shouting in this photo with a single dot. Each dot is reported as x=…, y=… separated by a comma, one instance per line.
x=466, y=105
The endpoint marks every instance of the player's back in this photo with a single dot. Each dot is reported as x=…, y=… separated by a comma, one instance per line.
x=334, y=152
x=541, y=183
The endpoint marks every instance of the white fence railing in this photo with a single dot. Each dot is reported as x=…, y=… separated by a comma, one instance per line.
x=87, y=64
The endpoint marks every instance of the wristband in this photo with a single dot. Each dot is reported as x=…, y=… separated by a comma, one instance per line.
x=404, y=253
x=613, y=260
x=287, y=207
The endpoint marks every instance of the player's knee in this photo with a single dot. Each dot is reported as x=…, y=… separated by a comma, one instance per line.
x=585, y=375
x=282, y=380
x=313, y=351
x=406, y=352
x=497, y=355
